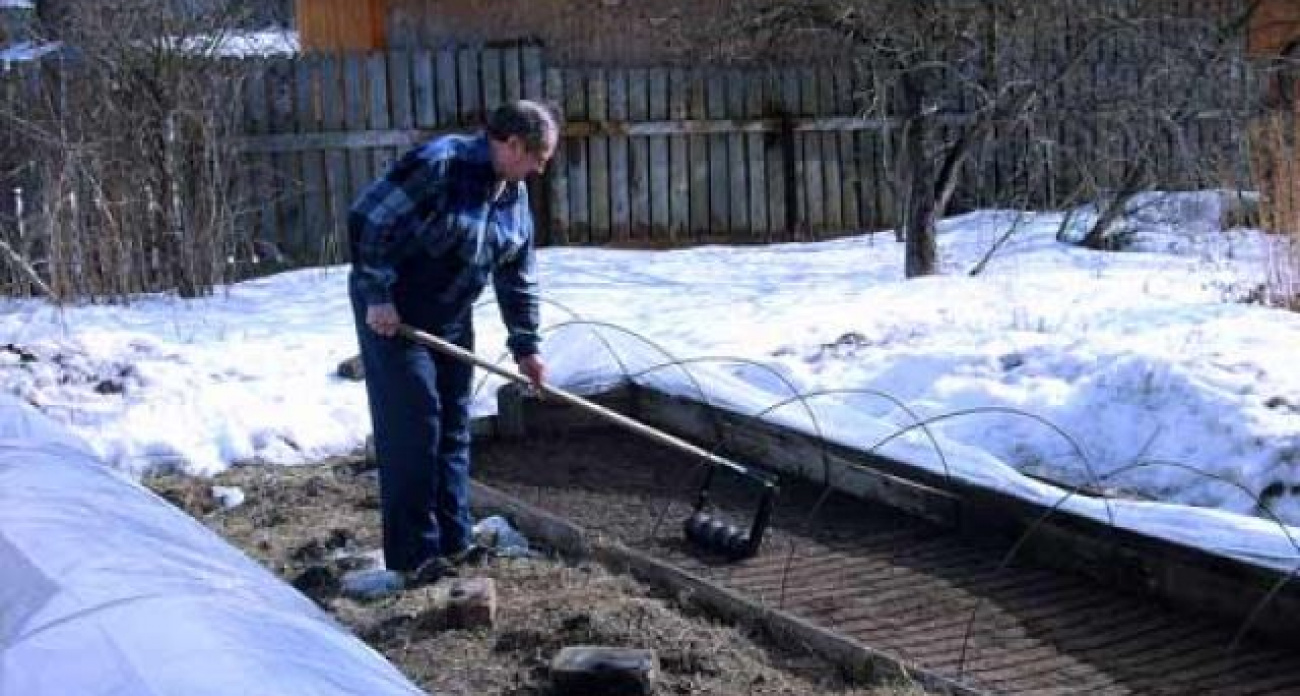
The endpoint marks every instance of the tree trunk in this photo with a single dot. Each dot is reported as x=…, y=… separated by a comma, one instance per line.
x=919, y=220
x=1134, y=181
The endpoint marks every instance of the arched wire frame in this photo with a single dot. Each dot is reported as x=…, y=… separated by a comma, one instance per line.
x=1251, y=618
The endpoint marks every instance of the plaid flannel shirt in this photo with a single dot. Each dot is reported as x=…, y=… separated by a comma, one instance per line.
x=437, y=199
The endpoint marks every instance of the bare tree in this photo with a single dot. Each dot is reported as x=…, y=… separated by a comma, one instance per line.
x=963, y=77
x=125, y=145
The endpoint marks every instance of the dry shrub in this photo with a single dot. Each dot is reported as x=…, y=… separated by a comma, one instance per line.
x=122, y=147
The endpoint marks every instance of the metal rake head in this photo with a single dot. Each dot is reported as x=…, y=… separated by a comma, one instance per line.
x=711, y=532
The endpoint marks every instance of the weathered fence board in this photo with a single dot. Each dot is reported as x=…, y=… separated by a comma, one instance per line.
x=660, y=191
x=756, y=159
x=852, y=186
x=512, y=82
x=354, y=109
x=879, y=158
x=424, y=94
x=259, y=166
x=534, y=72
x=697, y=155
x=740, y=228
x=774, y=152
x=315, y=203
x=491, y=75
x=679, y=207
x=719, y=166
x=400, y=79
x=557, y=232
x=446, y=87
x=620, y=208
x=378, y=118
x=638, y=109
x=336, y=176
x=471, y=96
x=598, y=158
x=812, y=155
x=286, y=173
x=575, y=86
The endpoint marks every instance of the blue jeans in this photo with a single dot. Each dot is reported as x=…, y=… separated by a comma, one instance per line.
x=419, y=409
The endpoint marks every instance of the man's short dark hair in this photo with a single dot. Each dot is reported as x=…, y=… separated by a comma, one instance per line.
x=528, y=119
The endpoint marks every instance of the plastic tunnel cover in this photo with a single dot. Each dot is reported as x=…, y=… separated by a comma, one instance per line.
x=106, y=589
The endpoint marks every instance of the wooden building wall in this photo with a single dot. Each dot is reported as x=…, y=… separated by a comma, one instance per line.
x=341, y=25
x=1275, y=137
x=609, y=33
x=1275, y=27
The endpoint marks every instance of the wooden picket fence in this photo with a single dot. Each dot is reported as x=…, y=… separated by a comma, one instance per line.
x=650, y=157
x=706, y=155
x=653, y=157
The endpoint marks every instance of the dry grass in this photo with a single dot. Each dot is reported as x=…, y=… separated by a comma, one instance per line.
x=295, y=519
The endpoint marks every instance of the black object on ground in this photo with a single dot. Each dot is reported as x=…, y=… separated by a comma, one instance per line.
x=584, y=670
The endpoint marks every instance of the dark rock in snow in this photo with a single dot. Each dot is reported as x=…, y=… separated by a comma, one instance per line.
x=352, y=369
x=23, y=354
x=110, y=386
x=1011, y=361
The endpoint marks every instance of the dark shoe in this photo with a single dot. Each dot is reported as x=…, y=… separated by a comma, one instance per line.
x=470, y=555
x=430, y=572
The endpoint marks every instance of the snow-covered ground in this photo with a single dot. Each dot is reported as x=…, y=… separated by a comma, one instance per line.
x=1141, y=371
x=245, y=44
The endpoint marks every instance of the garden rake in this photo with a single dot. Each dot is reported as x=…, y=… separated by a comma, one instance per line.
x=703, y=528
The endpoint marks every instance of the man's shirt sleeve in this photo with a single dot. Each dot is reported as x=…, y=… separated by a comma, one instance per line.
x=388, y=219
x=515, y=283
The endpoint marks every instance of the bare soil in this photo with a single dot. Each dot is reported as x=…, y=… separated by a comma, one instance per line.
x=309, y=525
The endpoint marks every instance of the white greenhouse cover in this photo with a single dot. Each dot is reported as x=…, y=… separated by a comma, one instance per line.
x=107, y=590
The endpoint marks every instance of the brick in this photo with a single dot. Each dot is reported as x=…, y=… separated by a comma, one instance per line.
x=461, y=603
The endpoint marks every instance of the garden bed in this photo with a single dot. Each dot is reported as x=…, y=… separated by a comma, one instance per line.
x=309, y=525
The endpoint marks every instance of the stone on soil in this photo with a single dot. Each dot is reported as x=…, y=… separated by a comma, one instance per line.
x=583, y=670
x=461, y=603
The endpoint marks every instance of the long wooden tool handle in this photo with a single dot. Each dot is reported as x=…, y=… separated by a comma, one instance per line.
x=455, y=351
